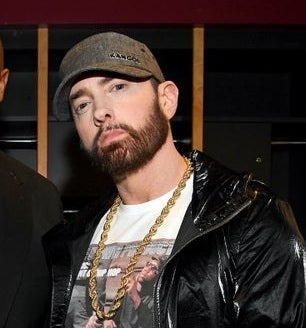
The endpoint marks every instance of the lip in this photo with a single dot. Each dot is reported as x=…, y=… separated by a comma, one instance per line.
x=111, y=135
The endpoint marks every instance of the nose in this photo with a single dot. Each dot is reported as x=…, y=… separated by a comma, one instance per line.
x=102, y=112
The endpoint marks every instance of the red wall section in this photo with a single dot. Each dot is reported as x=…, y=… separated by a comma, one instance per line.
x=292, y=12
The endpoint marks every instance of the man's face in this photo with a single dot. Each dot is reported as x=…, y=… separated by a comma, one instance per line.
x=149, y=271
x=119, y=122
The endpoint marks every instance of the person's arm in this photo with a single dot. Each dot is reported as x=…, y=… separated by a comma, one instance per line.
x=269, y=274
x=133, y=292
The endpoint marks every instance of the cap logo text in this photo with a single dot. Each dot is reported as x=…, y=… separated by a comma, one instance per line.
x=117, y=55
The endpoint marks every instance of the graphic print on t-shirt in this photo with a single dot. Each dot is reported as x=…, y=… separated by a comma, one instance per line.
x=129, y=226
x=136, y=308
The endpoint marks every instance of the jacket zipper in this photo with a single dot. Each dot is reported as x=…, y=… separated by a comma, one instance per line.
x=156, y=311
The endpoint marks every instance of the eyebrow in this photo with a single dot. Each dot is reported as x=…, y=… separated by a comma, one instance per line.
x=76, y=94
x=102, y=81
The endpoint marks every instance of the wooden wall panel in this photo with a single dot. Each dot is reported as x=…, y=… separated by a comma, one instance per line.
x=42, y=101
x=198, y=88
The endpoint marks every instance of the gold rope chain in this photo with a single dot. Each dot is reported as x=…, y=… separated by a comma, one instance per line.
x=134, y=258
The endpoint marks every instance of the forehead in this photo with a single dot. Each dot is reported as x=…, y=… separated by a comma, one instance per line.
x=107, y=75
x=85, y=79
x=154, y=261
x=104, y=80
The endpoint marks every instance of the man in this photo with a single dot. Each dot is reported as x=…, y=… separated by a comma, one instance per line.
x=135, y=310
x=138, y=303
x=233, y=256
x=29, y=206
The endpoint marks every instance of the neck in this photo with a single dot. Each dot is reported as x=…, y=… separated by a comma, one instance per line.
x=156, y=178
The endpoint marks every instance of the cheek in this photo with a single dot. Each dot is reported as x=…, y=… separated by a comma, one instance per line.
x=150, y=275
x=136, y=109
x=86, y=134
x=138, y=117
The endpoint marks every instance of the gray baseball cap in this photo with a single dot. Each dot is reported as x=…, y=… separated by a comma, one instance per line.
x=109, y=52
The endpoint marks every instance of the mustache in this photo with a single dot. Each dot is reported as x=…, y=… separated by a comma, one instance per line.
x=109, y=127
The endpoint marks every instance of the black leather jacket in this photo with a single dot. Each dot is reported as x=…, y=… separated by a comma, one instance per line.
x=238, y=260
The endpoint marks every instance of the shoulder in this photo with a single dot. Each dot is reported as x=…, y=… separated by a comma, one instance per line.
x=222, y=193
x=22, y=174
x=267, y=229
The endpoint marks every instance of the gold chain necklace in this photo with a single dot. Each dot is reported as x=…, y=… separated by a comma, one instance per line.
x=134, y=258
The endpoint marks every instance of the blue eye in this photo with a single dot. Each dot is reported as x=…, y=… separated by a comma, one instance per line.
x=119, y=86
x=81, y=109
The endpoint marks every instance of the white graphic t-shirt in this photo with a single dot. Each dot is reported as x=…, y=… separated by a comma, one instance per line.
x=130, y=224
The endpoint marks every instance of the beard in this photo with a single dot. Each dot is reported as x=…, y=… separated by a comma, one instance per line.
x=123, y=157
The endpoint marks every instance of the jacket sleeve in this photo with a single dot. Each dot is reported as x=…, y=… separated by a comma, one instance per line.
x=270, y=268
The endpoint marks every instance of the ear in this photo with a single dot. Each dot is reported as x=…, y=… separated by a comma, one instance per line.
x=4, y=74
x=168, y=98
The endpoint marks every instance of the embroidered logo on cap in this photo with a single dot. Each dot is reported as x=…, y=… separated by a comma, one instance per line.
x=116, y=55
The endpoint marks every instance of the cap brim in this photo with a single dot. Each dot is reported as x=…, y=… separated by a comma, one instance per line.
x=61, y=107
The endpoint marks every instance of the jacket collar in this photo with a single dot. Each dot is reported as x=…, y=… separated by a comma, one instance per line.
x=220, y=193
